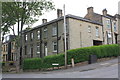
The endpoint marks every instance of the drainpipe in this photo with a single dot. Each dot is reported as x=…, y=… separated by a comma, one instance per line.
x=103, y=31
x=112, y=32
x=57, y=38
x=41, y=42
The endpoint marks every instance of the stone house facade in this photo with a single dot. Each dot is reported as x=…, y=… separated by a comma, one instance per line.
x=109, y=22
x=48, y=38
x=8, y=49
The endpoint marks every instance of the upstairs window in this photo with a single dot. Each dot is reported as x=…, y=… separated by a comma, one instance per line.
x=32, y=36
x=38, y=35
x=97, y=32
x=108, y=24
x=115, y=27
x=45, y=32
x=26, y=37
x=12, y=45
x=54, y=31
x=89, y=29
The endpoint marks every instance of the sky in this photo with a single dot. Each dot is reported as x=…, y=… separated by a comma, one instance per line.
x=79, y=8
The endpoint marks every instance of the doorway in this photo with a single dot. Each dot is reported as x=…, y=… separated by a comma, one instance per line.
x=96, y=43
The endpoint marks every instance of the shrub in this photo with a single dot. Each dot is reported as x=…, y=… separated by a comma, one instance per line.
x=33, y=63
x=79, y=55
x=48, y=60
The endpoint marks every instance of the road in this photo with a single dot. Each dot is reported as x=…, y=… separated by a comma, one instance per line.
x=106, y=69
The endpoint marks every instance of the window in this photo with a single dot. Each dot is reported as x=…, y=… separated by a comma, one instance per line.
x=31, y=35
x=25, y=50
x=45, y=32
x=38, y=48
x=26, y=37
x=6, y=47
x=115, y=28
x=54, y=30
x=97, y=32
x=54, y=46
x=12, y=45
x=89, y=28
x=31, y=50
x=108, y=24
x=109, y=35
x=38, y=35
x=7, y=38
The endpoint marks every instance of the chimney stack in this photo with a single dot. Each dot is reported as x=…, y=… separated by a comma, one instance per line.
x=59, y=13
x=90, y=10
x=44, y=20
x=104, y=12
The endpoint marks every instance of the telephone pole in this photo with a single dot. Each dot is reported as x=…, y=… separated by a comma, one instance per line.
x=65, y=37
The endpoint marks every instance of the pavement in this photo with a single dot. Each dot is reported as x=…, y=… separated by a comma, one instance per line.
x=106, y=69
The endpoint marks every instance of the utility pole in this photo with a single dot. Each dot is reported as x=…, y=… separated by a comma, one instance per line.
x=65, y=37
x=0, y=40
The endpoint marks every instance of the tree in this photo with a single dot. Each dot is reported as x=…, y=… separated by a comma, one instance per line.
x=22, y=13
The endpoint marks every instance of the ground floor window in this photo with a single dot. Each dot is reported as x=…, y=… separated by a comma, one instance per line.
x=54, y=46
x=38, y=49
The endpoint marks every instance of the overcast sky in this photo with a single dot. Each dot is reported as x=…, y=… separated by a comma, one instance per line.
x=79, y=8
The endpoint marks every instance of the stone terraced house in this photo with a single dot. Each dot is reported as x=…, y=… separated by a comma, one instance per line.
x=48, y=38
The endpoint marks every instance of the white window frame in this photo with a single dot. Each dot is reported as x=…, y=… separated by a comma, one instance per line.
x=54, y=31
x=108, y=24
x=89, y=29
x=97, y=31
x=38, y=49
x=32, y=35
x=109, y=35
x=45, y=32
x=26, y=37
x=115, y=27
x=38, y=34
x=54, y=44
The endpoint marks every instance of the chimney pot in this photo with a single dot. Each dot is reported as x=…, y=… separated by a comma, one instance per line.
x=44, y=20
x=90, y=10
x=59, y=13
x=104, y=12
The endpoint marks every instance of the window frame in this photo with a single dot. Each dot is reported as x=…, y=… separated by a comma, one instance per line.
x=115, y=27
x=38, y=35
x=31, y=35
x=54, y=30
x=97, y=31
x=89, y=29
x=108, y=24
x=26, y=37
x=54, y=44
x=45, y=32
x=38, y=49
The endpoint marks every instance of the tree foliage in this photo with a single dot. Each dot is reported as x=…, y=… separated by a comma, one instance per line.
x=22, y=13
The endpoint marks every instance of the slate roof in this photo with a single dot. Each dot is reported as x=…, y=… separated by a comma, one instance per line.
x=61, y=18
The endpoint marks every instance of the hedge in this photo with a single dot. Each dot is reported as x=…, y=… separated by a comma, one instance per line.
x=79, y=55
x=33, y=63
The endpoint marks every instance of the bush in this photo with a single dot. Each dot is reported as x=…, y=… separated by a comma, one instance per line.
x=33, y=63
x=79, y=55
x=48, y=60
